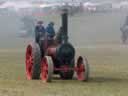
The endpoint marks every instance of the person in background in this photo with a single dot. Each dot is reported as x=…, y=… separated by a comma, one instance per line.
x=126, y=21
x=124, y=30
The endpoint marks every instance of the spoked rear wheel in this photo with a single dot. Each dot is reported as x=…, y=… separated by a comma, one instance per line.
x=46, y=69
x=82, y=69
x=33, y=59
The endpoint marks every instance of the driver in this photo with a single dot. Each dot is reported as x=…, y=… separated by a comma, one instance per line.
x=39, y=31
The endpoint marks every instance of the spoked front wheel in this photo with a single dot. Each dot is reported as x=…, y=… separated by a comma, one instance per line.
x=46, y=69
x=82, y=69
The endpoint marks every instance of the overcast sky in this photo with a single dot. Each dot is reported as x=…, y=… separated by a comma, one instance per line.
x=64, y=0
x=37, y=0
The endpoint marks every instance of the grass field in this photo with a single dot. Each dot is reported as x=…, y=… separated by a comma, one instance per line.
x=108, y=75
x=100, y=43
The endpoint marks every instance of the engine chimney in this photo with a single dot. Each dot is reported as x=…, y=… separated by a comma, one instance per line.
x=64, y=17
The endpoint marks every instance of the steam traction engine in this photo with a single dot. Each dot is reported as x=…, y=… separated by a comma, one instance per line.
x=44, y=59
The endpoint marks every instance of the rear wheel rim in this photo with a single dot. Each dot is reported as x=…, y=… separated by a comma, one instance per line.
x=29, y=62
x=44, y=70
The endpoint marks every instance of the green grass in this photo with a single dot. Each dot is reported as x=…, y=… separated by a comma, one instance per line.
x=108, y=75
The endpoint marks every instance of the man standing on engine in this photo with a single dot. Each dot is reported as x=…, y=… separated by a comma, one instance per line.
x=50, y=30
x=59, y=35
x=39, y=31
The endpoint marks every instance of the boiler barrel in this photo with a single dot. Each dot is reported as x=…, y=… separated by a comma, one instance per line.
x=65, y=52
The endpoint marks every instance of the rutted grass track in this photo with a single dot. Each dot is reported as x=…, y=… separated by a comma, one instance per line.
x=108, y=71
